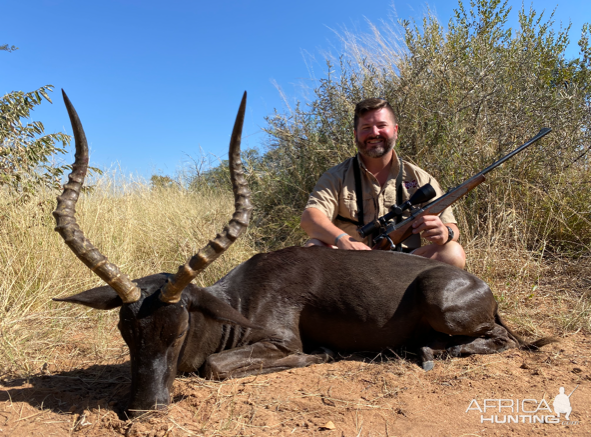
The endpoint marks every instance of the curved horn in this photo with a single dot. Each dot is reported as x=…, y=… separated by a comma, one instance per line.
x=173, y=289
x=68, y=228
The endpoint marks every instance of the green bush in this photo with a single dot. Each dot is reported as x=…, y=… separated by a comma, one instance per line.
x=464, y=97
x=26, y=152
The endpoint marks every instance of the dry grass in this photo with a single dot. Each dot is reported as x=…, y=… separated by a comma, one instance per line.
x=143, y=231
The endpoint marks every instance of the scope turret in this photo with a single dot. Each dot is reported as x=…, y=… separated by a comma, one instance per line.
x=422, y=195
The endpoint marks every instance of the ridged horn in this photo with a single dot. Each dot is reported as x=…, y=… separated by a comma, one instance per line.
x=70, y=231
x=173, y=289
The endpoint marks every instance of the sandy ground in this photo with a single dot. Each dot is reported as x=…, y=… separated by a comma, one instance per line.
x=352, y=397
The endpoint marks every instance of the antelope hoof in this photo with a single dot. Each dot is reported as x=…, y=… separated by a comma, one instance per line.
x=428, y=365
x=455, y=351
x=327, y=353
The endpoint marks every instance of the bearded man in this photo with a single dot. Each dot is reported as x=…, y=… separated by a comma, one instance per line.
x=331, y=216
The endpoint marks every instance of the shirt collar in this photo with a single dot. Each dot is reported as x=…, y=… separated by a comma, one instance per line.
x=394, y=167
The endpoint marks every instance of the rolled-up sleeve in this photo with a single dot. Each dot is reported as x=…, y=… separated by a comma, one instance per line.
x=325, y=195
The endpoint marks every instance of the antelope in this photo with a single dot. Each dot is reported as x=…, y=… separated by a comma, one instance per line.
x=281, y=310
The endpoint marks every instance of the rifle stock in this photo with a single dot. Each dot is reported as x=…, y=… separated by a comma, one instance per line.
x=397, y=233
x=403, y=230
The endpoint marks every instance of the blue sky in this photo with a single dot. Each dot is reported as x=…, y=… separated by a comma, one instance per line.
x=157, y=84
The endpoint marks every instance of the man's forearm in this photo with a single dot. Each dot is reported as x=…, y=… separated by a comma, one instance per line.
x=317, y=225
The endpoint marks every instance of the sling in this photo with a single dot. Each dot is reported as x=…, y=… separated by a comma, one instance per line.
x=359, y=194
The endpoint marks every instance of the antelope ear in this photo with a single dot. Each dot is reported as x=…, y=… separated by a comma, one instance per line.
x=100, y=298
x=211, y=306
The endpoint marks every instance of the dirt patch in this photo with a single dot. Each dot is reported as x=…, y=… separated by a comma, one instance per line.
x=352, y=397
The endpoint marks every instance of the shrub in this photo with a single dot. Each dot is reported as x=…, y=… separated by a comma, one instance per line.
x=464, y=97
x=26, y=153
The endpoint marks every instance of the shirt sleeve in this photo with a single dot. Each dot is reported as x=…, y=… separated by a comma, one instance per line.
x=325, y=195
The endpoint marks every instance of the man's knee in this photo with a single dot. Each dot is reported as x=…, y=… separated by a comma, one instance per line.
x=456, y=254
x=315, y=242
x=450, y=253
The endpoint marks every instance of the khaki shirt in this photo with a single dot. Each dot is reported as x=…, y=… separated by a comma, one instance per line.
x=334, y=195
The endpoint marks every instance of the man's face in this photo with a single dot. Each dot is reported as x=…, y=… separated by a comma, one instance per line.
x=376, y=133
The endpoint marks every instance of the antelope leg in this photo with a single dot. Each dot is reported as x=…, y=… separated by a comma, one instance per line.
x=256, y=359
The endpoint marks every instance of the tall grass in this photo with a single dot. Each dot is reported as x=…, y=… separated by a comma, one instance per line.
x=148, y=230
x=142, y=230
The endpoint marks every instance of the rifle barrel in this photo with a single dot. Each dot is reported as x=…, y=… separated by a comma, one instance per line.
x=478, y=178
x=543, y=132
x=454, y=194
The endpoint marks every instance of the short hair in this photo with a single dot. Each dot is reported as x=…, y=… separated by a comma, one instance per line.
x=368, y=105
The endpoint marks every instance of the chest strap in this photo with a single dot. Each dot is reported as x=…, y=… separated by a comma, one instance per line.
x=359, y=193
x=358, y=196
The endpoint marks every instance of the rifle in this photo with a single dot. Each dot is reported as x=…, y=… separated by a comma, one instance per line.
x=392, y=233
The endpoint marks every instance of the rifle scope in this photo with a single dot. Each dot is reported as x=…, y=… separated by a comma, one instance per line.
x=422, y=195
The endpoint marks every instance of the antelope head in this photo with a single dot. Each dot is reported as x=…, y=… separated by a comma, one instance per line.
x=154, y=317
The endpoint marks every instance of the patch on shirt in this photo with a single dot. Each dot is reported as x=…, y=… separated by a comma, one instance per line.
x=411, y=184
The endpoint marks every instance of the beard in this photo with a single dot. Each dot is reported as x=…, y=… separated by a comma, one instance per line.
x=372, y=151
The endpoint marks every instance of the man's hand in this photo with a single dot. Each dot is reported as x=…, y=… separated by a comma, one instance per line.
x=319, y=227
x=432, y=229
x=349, y=243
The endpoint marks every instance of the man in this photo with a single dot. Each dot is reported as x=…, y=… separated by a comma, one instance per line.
x=331, y=214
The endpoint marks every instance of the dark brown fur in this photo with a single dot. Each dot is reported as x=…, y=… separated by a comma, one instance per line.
x=278, y=310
